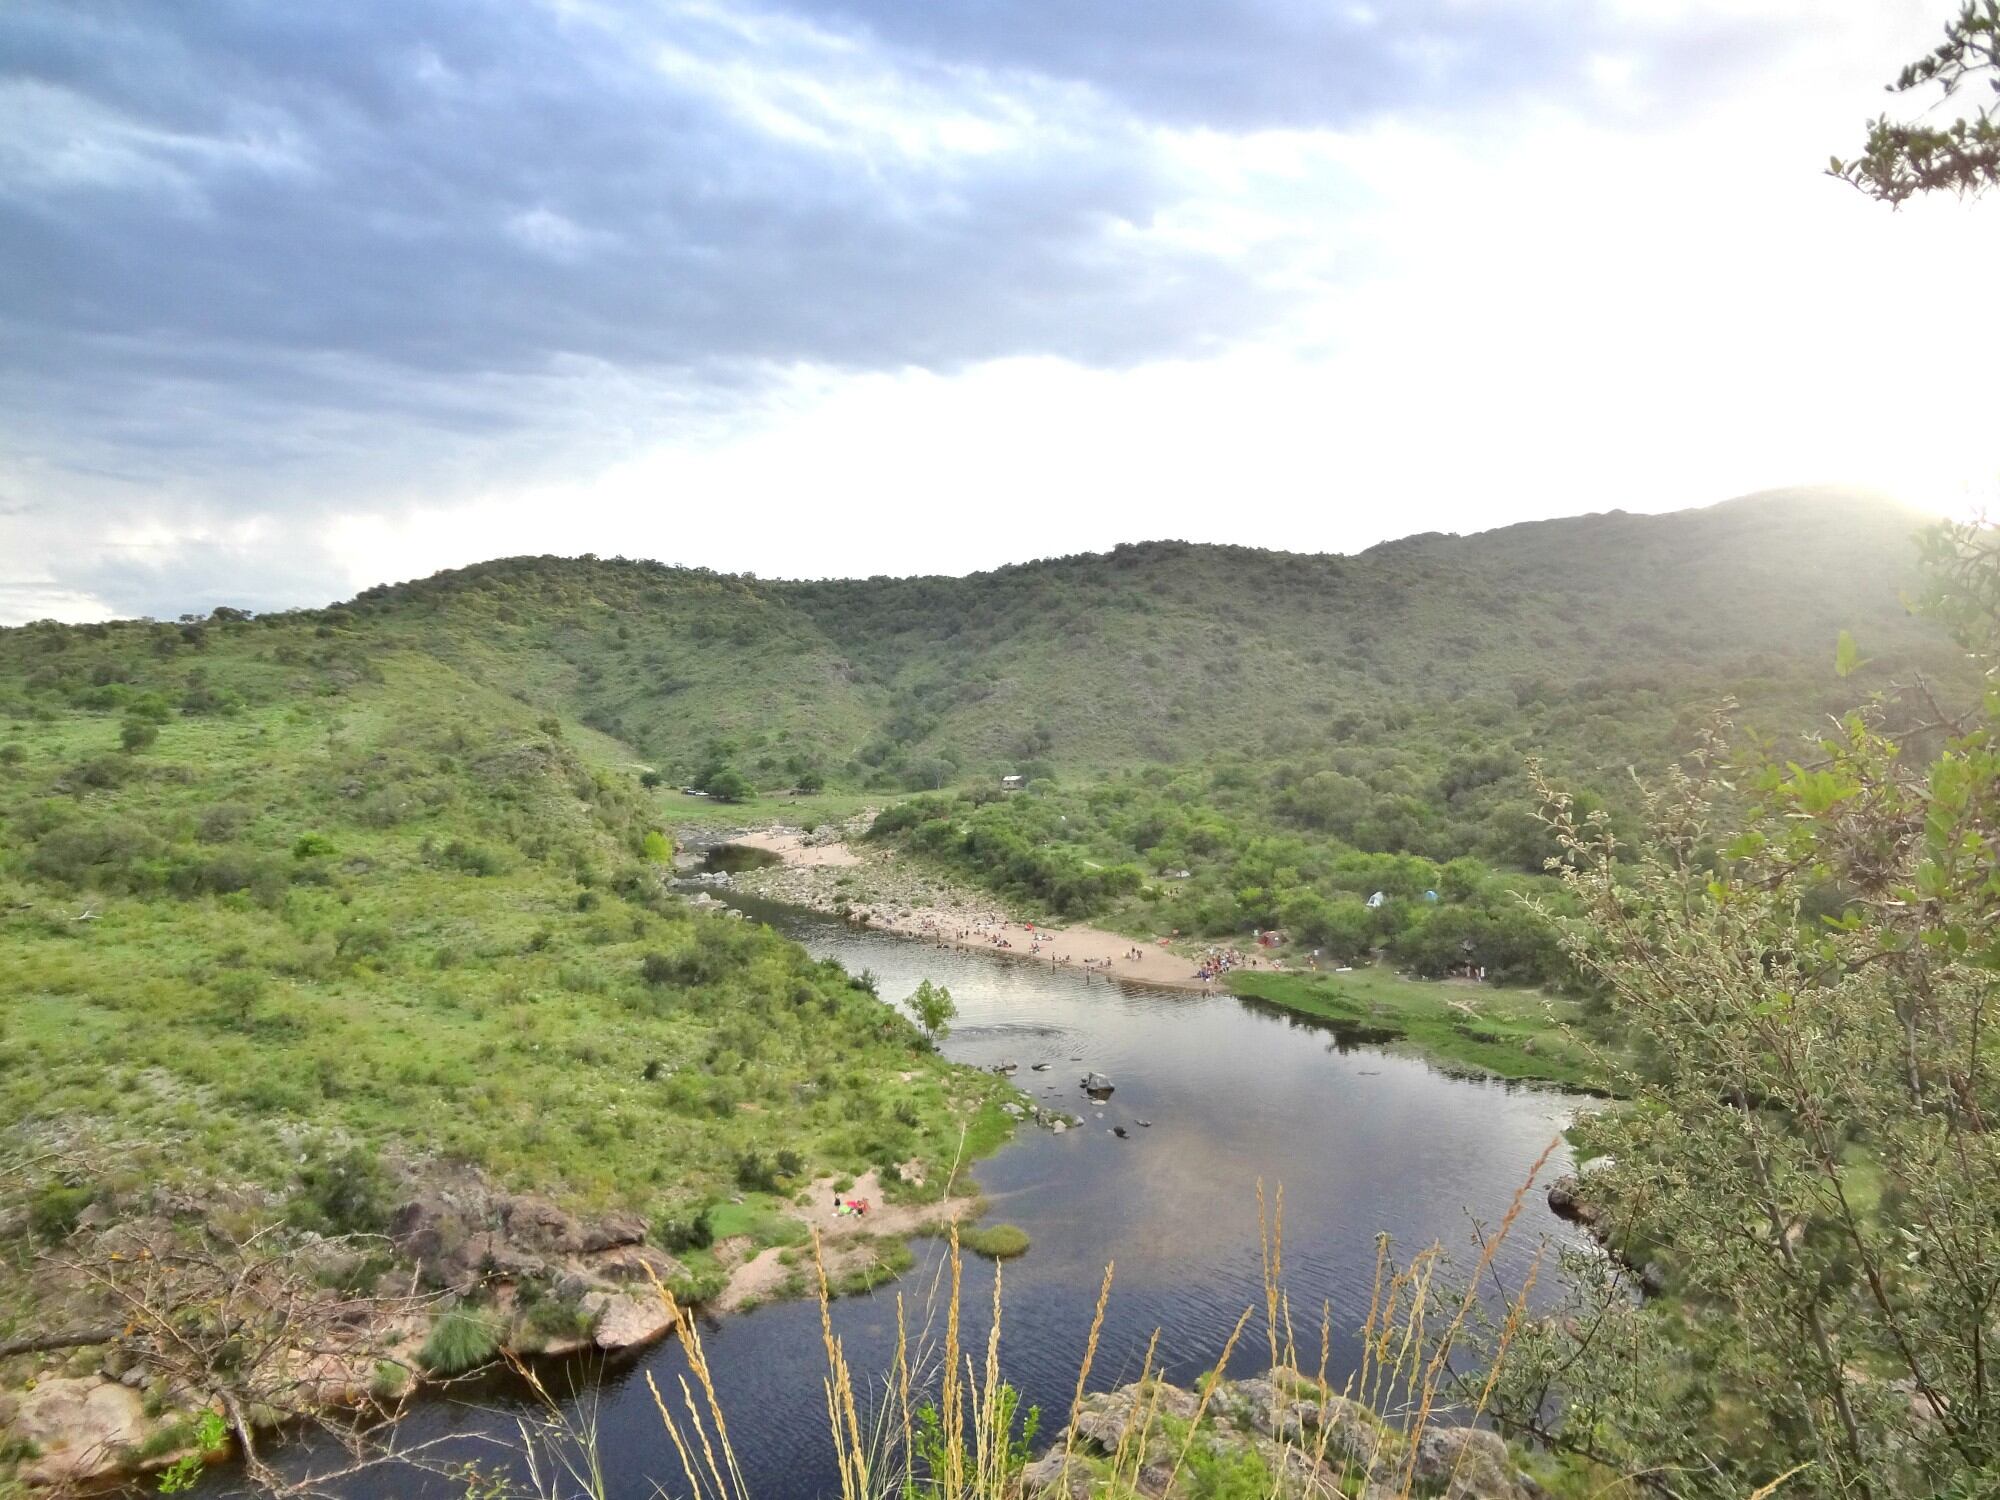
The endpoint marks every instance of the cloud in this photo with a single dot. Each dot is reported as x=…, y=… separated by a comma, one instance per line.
x=1310, y=63
x=296, y=298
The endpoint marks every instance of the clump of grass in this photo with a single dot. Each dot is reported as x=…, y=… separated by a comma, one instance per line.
x=995, y=1241
x=461, y=1340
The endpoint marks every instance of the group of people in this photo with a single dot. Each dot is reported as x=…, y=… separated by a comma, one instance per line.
x=857, y=1207
x=1219, y=961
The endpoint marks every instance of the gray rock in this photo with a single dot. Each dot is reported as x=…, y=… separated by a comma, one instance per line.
x=538, y=1222
x=612, y=1231
x=1044, y=1477
x=1469, y=1463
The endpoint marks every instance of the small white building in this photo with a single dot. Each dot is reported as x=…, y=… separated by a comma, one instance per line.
x=1012, y=783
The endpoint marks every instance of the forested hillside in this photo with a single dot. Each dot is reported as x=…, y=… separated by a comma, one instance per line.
x=1598, y=640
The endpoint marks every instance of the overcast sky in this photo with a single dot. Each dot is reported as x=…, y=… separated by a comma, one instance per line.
x=296, y=299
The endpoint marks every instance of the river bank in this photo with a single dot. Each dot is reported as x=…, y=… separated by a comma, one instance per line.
x=830, y=871
x=1524, y=1035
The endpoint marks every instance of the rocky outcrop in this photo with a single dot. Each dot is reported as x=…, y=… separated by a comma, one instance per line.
x=77, y=1429
x=467, y=1233
x=626, y=1320
x=1308, y=1443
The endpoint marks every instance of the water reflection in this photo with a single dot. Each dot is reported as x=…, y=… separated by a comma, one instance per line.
x=1363, y=1142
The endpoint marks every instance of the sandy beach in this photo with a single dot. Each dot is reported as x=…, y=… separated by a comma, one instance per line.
x=874, y=887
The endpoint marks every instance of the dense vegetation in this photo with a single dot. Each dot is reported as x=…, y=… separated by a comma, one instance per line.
x=1808, y=1161
x=279, y=893
x=1596, y=640
x=1234, y=848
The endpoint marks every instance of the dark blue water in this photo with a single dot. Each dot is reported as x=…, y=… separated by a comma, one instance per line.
x=1363, y=1142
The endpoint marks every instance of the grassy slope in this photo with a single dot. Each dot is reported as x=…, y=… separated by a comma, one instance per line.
x=1589, y=637
x=230, y=999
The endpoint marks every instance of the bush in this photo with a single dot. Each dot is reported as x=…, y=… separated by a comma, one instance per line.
x=54, y=1210
x=679, y=1233
x=343, y=1192
x=137, y=734
x=461, y=1340
x=311, y=845
x=473, y=859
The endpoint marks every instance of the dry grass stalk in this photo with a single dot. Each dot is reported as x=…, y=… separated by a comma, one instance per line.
x=1434, y=1369
x=1083, y=1375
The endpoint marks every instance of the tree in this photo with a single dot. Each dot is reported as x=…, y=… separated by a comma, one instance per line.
x=1810, y=1157
x=1899, y=161
x=137, y=734
x=933, y=1008
x=729, y=785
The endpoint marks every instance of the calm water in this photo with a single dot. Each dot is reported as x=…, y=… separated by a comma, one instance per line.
x=1362, y=1142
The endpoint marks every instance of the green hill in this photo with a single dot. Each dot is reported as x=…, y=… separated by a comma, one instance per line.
x=1167, y=651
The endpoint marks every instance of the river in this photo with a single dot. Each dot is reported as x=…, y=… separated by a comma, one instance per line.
x=1362, y=1141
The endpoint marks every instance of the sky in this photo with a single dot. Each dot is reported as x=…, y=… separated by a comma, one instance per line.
x=299, y=299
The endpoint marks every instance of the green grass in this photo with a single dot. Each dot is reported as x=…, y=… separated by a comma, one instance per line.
x=994, y=1241
x=460, y=1340
x=1511, y=1033
x=758, y=1217
x=373, y=902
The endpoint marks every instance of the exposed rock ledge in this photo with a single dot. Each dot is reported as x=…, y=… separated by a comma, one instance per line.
x=1308, y=1443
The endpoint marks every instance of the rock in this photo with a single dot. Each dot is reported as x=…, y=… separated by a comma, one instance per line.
x=1044, y=1477
x=78, y=1429
x=1472, y=1462
x=612, y=1231
x=638, y=1263
x=538, y=1222
x=1057, y=1127
x=1565, y=1202
x=625, y=1321
x=1103, y=1418
x=1013, y=1110
x=489, y=1254
x=1652, y=1278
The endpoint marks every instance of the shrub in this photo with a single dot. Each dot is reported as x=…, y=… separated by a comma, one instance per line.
x=343, y=1192
x=54, y=1210
x=473, y=859
x=679, y=1233
x=461, y=1340
x=311, y=845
